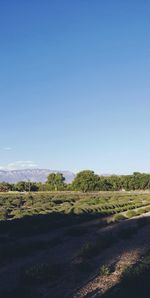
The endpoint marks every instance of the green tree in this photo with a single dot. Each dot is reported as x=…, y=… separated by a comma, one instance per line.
x=4, y=186
x=86, y=181
x=105, y=183
x=55, y=181
x=20, y=186
x=26, y=186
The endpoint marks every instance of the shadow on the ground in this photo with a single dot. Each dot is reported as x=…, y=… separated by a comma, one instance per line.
x=42, y=223
x=31, y=226
x=137, y=288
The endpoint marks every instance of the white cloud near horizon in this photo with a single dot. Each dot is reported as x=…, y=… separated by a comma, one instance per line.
x=19, y=165
x=6, y=148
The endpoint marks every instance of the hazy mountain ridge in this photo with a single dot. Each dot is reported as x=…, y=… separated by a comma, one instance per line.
x=34, y=175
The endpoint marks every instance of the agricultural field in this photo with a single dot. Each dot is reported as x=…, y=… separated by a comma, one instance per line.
x=74, y=244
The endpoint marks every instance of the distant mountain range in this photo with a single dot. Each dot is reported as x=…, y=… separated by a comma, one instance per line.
x=34, y=175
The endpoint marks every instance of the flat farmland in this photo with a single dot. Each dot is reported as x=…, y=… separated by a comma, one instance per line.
x=70, y=244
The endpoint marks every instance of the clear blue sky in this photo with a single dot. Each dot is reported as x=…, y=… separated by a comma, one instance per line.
x=75, y=84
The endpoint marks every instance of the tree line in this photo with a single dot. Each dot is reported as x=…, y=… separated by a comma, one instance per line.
x=84, y=181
